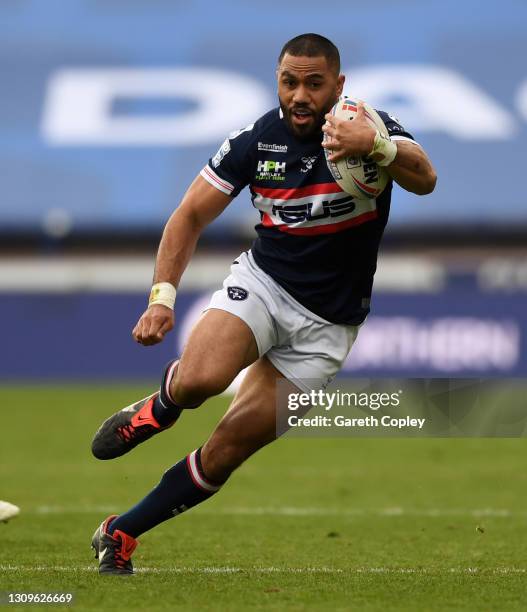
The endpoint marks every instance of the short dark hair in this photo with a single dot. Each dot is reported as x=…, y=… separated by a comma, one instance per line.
x=312, y=45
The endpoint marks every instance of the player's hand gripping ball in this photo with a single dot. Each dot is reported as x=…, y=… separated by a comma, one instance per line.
x=358, y=174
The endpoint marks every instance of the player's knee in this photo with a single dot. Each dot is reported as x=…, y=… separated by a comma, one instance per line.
x=190, y=387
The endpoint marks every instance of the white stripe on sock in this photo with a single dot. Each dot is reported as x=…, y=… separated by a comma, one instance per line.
x=198, y=478
x=168, y=380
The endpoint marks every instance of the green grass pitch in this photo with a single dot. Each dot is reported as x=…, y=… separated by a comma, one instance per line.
x=307, y=524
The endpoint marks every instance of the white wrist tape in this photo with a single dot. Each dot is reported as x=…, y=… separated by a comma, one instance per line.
x=382, y=145
x=164, y=294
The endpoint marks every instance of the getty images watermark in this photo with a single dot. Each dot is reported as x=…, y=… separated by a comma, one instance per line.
x=402, y=408
x=327, y=401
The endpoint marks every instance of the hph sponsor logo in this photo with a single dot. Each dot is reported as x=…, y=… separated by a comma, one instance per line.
x=271, y=166
x=269, y=170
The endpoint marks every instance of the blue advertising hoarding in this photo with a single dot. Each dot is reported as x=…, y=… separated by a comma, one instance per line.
x=454, y=333
x=109, y=109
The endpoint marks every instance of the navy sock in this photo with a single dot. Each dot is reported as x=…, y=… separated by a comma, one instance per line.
x=165, y=411
x=163, y=414
x=183, y=486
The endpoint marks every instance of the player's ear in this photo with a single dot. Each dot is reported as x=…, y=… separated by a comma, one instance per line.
x=340, y=84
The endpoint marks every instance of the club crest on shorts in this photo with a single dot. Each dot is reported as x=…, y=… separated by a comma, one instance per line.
x=237, y=293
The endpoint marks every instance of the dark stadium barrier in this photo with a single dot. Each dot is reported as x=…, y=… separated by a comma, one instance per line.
x=62, y=336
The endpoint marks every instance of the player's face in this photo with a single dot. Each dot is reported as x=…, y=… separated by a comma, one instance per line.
x=307, y=89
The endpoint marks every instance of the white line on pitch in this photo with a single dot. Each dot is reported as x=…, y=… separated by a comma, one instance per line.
x=388, y=512
x=309, y=511
x=279, y=570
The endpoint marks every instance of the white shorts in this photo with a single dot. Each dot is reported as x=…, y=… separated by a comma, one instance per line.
x=305, y=348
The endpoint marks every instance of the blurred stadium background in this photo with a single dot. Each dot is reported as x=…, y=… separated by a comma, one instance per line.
x=109, y=109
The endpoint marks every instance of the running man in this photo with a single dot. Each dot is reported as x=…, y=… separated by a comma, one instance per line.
x=292, y=305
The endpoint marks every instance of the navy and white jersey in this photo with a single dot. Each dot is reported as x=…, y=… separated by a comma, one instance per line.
x=318, y=242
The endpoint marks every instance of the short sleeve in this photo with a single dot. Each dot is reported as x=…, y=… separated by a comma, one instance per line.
x=229, y=170
x=394, y=127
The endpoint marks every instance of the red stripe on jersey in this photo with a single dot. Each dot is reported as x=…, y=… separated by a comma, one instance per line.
x=330, y=228
x=267, y=221
x=300, y=192
x=218, y=180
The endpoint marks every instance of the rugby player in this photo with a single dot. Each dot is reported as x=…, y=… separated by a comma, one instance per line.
x=291, y=306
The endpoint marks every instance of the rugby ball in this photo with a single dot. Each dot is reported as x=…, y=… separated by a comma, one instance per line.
x=359, y=176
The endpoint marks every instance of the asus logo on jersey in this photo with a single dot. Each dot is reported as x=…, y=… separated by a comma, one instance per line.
x=271, y=166
x=304, y=212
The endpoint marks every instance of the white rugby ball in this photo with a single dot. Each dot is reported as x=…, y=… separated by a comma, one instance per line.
x=359, y=176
